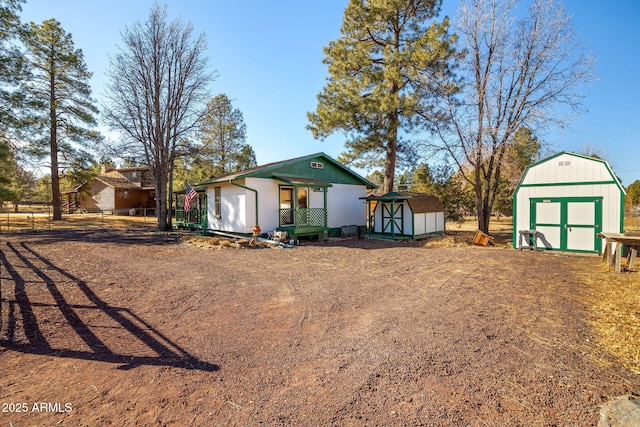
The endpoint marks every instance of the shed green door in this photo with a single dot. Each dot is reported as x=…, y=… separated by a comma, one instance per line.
x=568, y=224
x=392, y=218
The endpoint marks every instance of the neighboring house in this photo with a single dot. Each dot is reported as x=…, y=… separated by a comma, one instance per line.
x=564, y=201
x=305, y=196
x=113, y=190
x=404, y=215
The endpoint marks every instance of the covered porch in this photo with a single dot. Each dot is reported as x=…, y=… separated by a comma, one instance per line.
x=303, y=206
x=195, y=218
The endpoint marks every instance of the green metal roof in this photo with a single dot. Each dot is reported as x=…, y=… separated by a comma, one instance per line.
x=327, y=171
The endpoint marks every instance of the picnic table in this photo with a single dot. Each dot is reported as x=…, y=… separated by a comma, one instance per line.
x=613, y=249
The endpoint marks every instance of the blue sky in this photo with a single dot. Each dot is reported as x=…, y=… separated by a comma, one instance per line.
x=268, y=57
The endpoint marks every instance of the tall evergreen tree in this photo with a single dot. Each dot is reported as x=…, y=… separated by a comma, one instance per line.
x=223, y=133
x=61, y=112
x=633, y=194
x=11, y=62
x=385, y=57
x=246, y=158
x=6, y=163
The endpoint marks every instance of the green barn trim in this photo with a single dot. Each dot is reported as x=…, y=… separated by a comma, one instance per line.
x=569, y=181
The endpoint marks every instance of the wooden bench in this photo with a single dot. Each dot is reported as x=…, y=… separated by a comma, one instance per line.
x=613, y=249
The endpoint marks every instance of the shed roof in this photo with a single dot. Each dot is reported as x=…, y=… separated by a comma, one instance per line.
x=419, y=202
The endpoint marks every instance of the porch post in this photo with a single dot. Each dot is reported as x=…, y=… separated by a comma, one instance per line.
x=326, y=221
x=294, y=206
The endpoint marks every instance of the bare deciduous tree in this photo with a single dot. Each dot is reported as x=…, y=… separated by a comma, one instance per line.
x=157, y=93
x=525, y=72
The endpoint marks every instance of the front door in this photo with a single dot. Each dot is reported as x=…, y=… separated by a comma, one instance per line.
x=286, y=206
x=567, y=224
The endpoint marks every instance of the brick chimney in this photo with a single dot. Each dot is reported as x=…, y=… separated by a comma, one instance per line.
x=106, y=168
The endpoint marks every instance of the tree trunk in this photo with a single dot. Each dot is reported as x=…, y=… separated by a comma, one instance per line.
x=161, y=199
x=392, y=153
x=389, y=172
x=482, y=199
x=56, y=200
x=170, y=198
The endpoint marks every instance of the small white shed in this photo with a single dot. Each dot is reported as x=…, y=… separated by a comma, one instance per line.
x=564, y=201
x=404, y=215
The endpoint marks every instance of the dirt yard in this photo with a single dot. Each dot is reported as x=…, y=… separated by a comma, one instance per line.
x=121, y=328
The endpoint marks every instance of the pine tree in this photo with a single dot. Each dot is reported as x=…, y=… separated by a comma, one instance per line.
x=11, y=72
x=11, y=62
x=61, y=112
x=383, y=71
x=224, y=135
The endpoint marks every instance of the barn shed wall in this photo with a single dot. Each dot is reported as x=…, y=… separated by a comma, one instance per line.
x=569, y=182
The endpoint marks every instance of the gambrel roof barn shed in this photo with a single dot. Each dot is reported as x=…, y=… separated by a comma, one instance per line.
x=567, y=199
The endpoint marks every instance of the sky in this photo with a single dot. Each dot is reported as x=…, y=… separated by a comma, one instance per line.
x=268, y=60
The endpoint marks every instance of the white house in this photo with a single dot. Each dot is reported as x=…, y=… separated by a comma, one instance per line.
x=305, y=196
x=567, y=199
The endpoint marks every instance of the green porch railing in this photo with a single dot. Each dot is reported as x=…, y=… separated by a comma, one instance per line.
x=194, y=218
x=301, y=218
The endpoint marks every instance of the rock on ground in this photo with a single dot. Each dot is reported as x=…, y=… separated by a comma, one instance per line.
x=623, y=411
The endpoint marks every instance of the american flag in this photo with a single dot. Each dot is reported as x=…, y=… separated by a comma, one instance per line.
x=190, y=194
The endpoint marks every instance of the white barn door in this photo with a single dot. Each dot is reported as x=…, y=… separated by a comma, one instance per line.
x=581, y=226
x=546, y=220
x=568, y=224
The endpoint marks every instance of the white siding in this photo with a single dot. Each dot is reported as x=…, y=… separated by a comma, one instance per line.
x=344, y=206
x=407, y=213
x=316, y=198
x=610, y=194
x=269, y=211
x=432, y=222
x=569, y=176
x=232, y=209
x=377, y=218
x=420, y=223
x=238, y=205
x=567, y=168
x=440, y=226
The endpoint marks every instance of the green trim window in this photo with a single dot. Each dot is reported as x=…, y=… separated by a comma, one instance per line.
x=217, y=197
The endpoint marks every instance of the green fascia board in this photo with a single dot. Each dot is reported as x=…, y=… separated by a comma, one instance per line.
x=563, y=184
x=337, y=174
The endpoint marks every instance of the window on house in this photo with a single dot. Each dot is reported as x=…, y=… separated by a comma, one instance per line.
x=302, y=198
x=217, y=199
